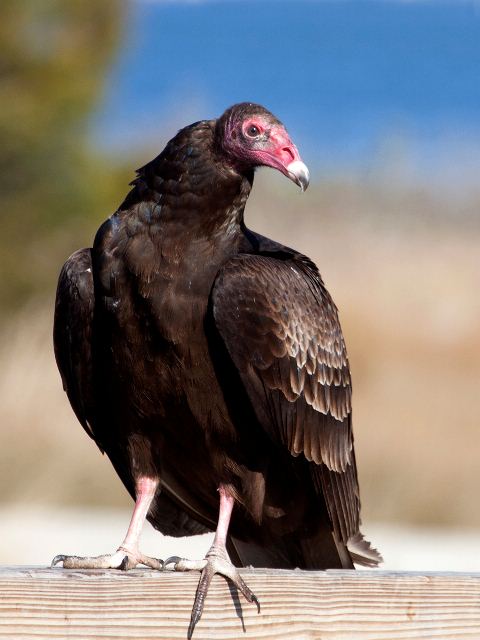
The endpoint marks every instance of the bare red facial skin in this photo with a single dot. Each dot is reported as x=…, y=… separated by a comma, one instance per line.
x=271, y=147
x=262, y=141
x=279, y=151
x=257, y=124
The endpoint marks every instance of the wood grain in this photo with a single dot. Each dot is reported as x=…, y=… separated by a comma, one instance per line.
x=375, y=605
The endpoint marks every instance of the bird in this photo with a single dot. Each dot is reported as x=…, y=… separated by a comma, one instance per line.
x=208, y=363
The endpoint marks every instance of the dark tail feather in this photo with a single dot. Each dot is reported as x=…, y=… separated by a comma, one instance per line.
x=321, y=551
x=362, y=552
x=245, y=554
x=324, y=551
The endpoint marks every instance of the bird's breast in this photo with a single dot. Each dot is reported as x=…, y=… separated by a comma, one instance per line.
x=156, y=293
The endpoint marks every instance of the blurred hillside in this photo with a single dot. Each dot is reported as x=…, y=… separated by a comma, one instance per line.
x=53, y=59
x=401, y=259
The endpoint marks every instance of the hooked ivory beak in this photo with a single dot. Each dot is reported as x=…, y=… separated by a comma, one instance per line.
x=299, y=173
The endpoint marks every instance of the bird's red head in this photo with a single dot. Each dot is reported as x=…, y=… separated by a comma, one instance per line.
x=251, y=136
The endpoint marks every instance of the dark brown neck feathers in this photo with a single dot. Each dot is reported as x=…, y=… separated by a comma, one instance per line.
x=191, y=182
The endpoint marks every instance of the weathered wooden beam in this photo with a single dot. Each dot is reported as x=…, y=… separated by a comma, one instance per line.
x=57, y=603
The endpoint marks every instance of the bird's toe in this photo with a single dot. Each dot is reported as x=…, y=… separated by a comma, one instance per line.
x=216, y=561
x=122, y=559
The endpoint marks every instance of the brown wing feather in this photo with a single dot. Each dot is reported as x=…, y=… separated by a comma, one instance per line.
x=291, y=339
x=282, y=331
x=72, y=334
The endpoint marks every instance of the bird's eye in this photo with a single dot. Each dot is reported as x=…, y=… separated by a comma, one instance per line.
x=252, y=131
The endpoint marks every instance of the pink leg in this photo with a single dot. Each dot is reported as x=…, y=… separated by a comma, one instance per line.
x=128, y=554
x=216, y=561
x=145, y=489
x=225, y=513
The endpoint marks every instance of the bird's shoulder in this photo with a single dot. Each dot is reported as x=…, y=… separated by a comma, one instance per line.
x=285, y=280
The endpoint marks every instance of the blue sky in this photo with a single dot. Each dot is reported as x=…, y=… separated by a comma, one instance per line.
x=350, y=78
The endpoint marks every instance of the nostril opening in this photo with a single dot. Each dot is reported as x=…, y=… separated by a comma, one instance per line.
x=289, y=151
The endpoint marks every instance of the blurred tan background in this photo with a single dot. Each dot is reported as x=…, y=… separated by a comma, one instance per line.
x=401, y=260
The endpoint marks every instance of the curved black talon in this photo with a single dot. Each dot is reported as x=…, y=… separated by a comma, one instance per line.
x=57, y=559
x=171, y=560
x=256, y=601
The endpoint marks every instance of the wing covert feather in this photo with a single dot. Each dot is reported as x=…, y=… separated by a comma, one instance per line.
x=278, y=321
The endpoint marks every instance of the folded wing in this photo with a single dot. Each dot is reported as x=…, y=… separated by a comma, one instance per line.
x=282, y=332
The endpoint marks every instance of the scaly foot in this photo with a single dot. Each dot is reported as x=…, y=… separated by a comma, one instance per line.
x=216, y=561
x=123, y=559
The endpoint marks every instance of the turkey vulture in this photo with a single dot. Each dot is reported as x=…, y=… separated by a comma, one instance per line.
x=208, y=363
